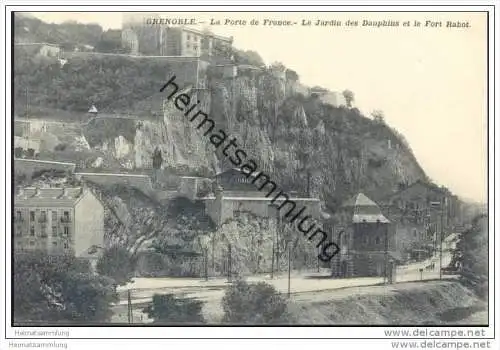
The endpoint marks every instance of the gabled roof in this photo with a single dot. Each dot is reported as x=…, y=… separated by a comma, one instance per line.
x=364, y=210
x=429, y=185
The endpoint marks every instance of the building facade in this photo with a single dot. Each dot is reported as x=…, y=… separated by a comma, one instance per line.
x=44, y=49
x=146, y=37
x=365, y=240
x=236, y=194
x=419, y=213
x=58, y=221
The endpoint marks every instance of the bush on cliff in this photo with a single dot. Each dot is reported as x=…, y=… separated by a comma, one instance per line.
x=260, y=303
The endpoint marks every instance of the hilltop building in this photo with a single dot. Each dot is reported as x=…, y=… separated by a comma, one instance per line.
x=44, y=49
x=58, y=221
x=334, y=98
x=144, y=34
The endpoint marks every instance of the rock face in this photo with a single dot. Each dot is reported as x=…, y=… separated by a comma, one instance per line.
x=305, y=144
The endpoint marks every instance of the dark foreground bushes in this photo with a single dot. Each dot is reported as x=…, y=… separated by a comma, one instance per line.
x=258, y=303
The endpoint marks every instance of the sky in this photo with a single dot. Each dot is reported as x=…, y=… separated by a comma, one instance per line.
x=429, y=81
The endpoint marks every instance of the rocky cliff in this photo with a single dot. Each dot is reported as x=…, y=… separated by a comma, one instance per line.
x=306, y=145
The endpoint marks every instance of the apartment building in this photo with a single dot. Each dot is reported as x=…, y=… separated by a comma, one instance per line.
x=419, y=213
x=58, y=221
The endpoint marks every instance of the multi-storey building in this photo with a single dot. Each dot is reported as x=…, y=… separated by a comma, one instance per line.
x=364, y=237
x=419, y=213
x=58, y=221
x=236, y=194
x=147, y=35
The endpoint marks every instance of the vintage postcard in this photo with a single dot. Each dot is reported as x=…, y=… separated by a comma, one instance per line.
x=195, y=167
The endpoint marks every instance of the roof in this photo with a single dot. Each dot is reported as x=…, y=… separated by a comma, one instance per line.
x=48, y=197
x=429, y=185
x=206, y=33
x=269, y=199
x=359, y=200
x=364, y=210
x=35, y=44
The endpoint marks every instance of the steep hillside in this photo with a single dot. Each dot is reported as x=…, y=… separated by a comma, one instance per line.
x=305, y=144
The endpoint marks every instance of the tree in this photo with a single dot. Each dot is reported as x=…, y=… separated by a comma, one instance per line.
x=260, y=303
x=248, y=57
x=378, y=116
x=349, y=97
x=292, y=75
x=59, y=288
x=472, y=255
x=167, y=309
x=18, y=152
x=278, y=66
x=117, y=263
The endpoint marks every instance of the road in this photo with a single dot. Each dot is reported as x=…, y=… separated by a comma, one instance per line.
x=212, y=291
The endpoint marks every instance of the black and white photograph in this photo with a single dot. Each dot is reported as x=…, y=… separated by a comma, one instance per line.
x=210, y=170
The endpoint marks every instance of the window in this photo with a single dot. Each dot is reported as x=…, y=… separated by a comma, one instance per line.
x=32, y=216
x=32, y=243
x=54, y=231
x=19, y=232
x=188, y=46
x=66, y=216
x=19, y=216
x=54, y=244
x=195, y=47
x=366, y=240
x=66, y=231
x=54, y=216
x=43, y=231
x=189, y=37
x=377, y=240
x=32, y=230
x=65, y=245
x=414, y=233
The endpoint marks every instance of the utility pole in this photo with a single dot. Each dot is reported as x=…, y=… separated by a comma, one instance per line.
x=278, y=227
x=317, y=259
x=206, y=264
x=272, y=249
x=289, y=265
x=229, y=264
x=129, y=305
x=440, y=243
x=386, y=279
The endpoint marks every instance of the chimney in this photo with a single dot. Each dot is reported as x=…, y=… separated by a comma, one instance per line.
x=37, y=192
x=65, y=192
